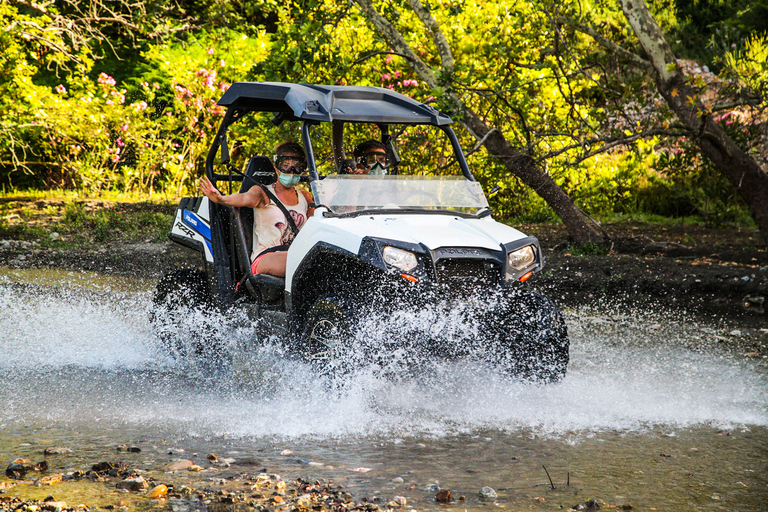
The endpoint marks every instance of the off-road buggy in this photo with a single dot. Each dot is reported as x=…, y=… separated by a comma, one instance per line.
x=419, y=238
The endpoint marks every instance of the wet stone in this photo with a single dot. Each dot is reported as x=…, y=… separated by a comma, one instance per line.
x=133, y=484
x=57, y=451
x=180, y=465
x=487, y=493
x=444, y=496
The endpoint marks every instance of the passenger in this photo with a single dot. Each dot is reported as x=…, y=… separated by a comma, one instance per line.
x=272, y=233
x=372, y=158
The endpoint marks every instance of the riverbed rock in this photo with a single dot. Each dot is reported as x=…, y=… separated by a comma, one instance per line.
x=487, y=493
x=179, y=465
x=18, y=468
x=57, y=451
x=588, y=505
x=159, y=491
x=51, y=479
x=56, y=506
x=444, y=496
x=133, y=484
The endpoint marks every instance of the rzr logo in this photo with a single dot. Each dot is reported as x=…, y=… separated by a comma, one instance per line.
x=185, y=230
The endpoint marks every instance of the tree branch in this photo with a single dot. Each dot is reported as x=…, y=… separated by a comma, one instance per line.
x=606, y=43
x=443, y=48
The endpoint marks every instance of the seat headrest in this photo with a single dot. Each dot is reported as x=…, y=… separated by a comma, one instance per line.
x=259, y=171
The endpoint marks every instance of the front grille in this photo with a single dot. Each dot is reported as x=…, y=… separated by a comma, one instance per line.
x=467, y=274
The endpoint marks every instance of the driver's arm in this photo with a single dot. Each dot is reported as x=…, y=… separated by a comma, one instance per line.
x=253, y=198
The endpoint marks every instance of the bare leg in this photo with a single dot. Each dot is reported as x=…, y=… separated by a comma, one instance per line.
x=273, y=263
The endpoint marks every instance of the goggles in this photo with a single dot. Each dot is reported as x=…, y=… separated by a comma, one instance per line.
x=370, y=159
x=290, y=164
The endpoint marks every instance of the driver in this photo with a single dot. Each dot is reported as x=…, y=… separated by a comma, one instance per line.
x=372, y=158
x=272, y=233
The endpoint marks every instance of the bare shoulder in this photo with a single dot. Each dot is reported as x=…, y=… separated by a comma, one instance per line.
x=256, y=197
x=307, y=196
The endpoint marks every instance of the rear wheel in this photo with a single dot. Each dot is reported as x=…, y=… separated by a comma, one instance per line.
x=179, y=313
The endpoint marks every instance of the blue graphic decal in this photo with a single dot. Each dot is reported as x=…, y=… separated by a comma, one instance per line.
x=196, y=223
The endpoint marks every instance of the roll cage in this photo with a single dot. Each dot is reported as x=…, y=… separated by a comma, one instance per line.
x=314, y=104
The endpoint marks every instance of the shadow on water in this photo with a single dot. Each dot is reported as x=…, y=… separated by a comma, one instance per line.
x=653, y=411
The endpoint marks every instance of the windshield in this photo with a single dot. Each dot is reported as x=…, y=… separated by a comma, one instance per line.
x=350, y=193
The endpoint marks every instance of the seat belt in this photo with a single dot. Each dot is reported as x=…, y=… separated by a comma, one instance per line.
x=282, y=207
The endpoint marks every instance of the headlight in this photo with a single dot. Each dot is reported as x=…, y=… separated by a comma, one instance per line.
x=521, y=258
x=404, y=260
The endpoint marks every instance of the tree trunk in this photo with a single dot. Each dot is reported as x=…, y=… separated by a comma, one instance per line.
x=580, y=229
x=519, y=164
x=750, y=180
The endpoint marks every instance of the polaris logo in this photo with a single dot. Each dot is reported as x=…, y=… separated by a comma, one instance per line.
x=189, y=218
x=461, y=252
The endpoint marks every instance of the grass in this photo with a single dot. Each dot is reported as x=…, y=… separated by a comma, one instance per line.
x=67, y=220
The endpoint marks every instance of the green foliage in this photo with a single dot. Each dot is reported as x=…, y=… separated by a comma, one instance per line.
x=83, y=118
x=707, y=29
x=111, y=222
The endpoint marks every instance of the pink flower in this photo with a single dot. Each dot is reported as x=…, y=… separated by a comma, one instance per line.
x=156, y=86
x=144, y=84
x=389, y=59
x=222, y=63
x=390, y=86
x=105, y=79
x=61, y=89
x=397, y=74
x=110, y=102
x=120, y=142
x=210, y=51
x=386, y=76
x=124, y=127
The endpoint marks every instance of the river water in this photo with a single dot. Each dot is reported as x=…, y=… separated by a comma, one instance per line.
x=654, y=412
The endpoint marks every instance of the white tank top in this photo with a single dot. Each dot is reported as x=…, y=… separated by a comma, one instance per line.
x=270, y=227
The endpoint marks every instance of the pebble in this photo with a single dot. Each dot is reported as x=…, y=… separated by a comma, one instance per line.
x=54, y=236
x=398, y=480
x=444, y=496
x=213, y=457
x=159, y=491
x=286, y=452
x=51, y=480
x=487, y=493
x=133, y=484
x=56, y=451
x=195, y=468
x=431, y=488
x=179, y=465
x=57, y=506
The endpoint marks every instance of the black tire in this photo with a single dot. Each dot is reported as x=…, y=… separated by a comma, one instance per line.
x=327, y=336
x=180, y=296
x=532, y=342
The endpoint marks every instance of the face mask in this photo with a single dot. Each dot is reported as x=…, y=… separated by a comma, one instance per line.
x=289, y=180
x=377, y=170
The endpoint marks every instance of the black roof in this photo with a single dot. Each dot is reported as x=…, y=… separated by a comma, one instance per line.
x=327, y=103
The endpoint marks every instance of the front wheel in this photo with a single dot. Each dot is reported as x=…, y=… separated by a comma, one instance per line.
x=328, y=335
x=532, y=339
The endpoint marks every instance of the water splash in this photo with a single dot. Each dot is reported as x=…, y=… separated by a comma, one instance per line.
x=74, y=357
